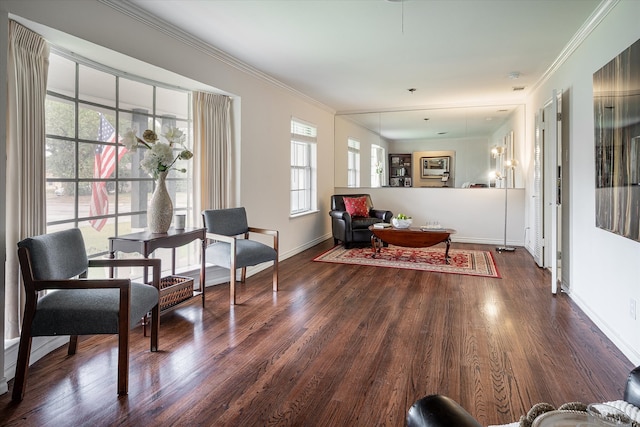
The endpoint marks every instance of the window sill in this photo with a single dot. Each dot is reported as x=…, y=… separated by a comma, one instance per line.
x=312, y=212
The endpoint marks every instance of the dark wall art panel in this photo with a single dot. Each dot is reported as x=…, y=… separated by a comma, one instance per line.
x=616, y=101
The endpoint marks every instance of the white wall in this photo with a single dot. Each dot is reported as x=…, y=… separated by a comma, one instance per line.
x=605, y=268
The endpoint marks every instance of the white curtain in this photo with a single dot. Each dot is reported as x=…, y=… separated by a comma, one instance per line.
x=212, y=152
x=27, y=66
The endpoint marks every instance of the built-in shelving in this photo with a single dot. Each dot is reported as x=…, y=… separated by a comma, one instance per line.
x=400, y=170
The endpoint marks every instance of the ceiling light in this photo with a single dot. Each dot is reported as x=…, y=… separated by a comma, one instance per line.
x=514, y=75
x=412, y=89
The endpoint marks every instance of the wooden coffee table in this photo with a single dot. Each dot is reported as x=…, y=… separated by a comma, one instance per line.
x=410, y=238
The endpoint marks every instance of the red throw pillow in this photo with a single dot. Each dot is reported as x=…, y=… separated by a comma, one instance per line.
x=356, y=206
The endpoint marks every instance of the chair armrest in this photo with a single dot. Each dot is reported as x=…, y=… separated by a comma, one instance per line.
x=221, y=237
x=338, y=214
x=342, y=215
x=439, y=411
x=382, y=214
x=268, y=232
x=632, y=389
x=263, y=231
x=42, y=285
x=154, y=263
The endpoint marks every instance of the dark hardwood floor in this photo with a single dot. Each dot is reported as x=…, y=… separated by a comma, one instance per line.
x=338, y=345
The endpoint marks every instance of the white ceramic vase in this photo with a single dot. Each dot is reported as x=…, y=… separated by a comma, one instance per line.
x=160, y=209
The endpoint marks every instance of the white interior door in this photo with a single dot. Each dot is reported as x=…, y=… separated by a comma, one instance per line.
x=551, y=144
x=538, y=194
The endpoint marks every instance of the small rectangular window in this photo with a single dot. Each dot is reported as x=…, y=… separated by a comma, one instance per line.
x=353, y=163
x=377, y=166
x=303, y=167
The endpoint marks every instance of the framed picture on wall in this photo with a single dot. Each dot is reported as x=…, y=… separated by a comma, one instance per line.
x=617, y=144
x=434, y=167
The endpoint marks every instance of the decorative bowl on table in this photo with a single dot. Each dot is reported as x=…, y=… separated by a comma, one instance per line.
x=607, y=415
x=401, y=223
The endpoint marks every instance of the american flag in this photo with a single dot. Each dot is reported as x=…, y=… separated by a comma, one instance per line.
x=103, y=166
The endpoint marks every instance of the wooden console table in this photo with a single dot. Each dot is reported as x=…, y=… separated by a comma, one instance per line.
x=145, y=243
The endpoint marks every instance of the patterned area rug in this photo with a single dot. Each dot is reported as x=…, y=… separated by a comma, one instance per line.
x=468, y=262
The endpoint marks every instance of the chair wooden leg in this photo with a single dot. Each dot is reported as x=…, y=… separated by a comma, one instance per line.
x=22, y=367
x=232, y=287
x=73, y=345
x=275, y=276
x=155, y=327
x=243, y=275
x=123, y=363
x=123, y=341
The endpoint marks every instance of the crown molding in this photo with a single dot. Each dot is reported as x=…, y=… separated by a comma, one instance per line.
x=579, y=37
x=144, y=17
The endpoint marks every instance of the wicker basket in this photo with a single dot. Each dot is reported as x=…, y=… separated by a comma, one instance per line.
x=174, y=290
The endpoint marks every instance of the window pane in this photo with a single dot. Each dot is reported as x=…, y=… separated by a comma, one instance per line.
x=135, y=95
x=60, y=117
x=96, y=198
x=60, y=201
x=299, y=179
x=299, y=154
x=131, y=224
x=96, y=86
x=97, y=242
x=139, y=121
x=133, y=196
x=172, y=103
x=91, y=120
x=96, y=160
x=176, y=189
x=129, y=165
x=60, y=158
x=181, y=199
x=58, y=227
x=62, y=76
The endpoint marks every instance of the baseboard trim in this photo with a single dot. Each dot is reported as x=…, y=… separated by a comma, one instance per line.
x=609, y=332
x=40, y=347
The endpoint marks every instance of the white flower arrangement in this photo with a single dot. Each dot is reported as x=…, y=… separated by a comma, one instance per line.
x=159, y=157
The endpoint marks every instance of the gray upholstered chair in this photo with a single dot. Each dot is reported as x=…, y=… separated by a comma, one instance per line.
x=74, y=305
x=231, y=247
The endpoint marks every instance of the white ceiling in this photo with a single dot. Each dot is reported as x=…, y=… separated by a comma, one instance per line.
x=364, y=55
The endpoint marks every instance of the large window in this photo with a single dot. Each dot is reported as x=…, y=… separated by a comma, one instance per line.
x=303, y=167
x=94, y=182
x=353, y=163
